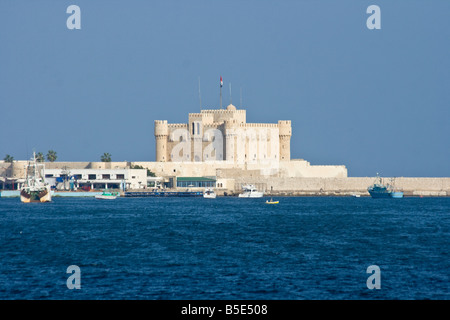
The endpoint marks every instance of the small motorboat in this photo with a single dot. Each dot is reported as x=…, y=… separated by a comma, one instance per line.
x=209, y=194
x=106, y=195
x=272, y=202
x=251, y=192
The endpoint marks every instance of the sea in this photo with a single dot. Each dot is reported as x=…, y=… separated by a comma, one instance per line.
x=228, y=248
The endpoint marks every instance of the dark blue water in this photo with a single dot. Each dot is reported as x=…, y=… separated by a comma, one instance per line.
x=227, y=248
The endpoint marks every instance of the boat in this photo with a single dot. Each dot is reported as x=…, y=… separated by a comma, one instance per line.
x=384, y=190
x=35, y=188
x=209, y=193
x=251, y=192
x=397, y=194
x=356, y=195
x=106, y=195
x=272, y=202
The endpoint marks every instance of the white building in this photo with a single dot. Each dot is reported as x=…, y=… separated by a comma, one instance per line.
x=97, y=178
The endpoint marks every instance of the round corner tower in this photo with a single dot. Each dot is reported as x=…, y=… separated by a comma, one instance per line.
x=231, y=126
x=161, y=137
x=285, y=133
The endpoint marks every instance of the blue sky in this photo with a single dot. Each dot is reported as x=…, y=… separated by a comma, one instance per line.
x=373, y=100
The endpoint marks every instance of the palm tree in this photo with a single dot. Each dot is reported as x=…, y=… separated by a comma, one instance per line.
x=51, y=155
x=8, y=158
x=106, y=157
x=40, y=157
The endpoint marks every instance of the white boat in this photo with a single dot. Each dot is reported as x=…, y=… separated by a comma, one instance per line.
x=209, y=193
x=35, y=188
x=107, y=195
x=251, y=192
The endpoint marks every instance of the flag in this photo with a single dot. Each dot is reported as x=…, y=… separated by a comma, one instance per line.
x=221, y=82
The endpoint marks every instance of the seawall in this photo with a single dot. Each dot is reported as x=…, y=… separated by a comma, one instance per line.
x=344, y=186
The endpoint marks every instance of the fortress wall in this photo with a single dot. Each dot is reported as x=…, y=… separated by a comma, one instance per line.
x=347, y=186
x=302, y=168
x=185, y=169
x=220, y=115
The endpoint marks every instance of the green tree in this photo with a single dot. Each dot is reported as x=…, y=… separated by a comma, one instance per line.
x=106, y=157
x=40, y=157
x=51, y=156
x=149, y=173
x=8, y=158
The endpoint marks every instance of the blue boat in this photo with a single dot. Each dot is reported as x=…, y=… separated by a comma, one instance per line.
x=382, y=190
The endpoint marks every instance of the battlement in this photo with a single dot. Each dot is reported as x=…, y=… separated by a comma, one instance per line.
x=161, y=128
x=258, y=125
x=177, y=125
x=285, y=127
x=222, y=111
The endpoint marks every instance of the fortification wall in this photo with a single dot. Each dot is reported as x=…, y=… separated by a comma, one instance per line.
x=345, y=186
x=302, y=168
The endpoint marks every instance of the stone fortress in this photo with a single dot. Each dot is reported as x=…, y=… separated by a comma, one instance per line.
x=240, y=141
x=221, y=144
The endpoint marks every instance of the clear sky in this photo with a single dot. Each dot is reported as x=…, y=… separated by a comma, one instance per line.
x=373, y=100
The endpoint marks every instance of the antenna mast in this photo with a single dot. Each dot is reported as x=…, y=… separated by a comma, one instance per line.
x=199, y=93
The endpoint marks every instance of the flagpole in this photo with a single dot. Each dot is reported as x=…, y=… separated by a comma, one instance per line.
x=220, y=92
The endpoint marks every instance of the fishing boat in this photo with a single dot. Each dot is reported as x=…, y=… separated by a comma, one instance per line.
x=35, y=188
x=107, y=195
x=384, y=190
x=272, y=202
x=250, y=191
x=209, y=194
